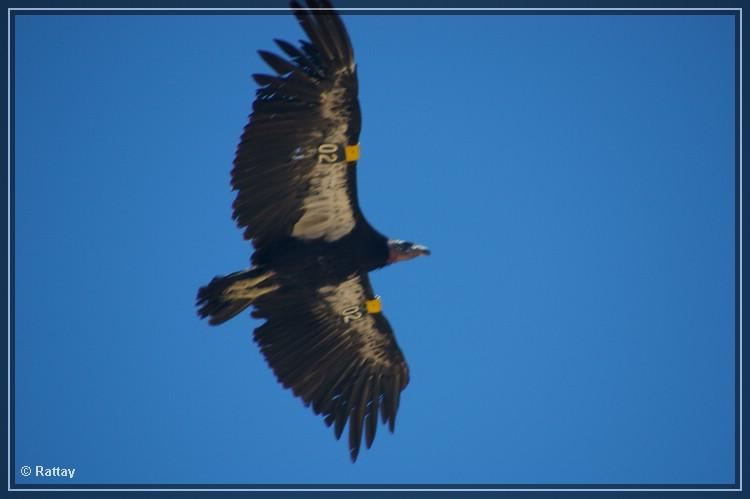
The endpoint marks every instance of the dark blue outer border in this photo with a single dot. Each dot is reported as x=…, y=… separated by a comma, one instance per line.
x=282, y=4
x=339, y=4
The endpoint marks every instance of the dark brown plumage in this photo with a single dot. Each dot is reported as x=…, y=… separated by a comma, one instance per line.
x=324, y=335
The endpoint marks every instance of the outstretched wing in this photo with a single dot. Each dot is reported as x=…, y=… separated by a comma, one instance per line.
x=291, y=169
x=335, y=352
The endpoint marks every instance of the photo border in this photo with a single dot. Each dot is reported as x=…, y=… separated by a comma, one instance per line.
x=14, y=486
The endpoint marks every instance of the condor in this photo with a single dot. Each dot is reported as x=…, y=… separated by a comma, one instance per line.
x=295, y=174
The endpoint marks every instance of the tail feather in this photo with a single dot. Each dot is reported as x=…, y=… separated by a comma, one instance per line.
x=226, y=296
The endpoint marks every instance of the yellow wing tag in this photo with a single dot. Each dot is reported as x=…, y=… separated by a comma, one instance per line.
x=374, y=306
x=332, y=153
x=352, y=153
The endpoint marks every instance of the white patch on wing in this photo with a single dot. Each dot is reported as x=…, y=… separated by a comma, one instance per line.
x=327, y=210
x=346, y=296
x=347, y=301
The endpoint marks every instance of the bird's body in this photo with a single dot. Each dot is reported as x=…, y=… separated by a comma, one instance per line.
x=325, y=335
x=362, y=249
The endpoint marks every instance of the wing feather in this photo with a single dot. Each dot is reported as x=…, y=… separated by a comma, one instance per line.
x=290, y=87
x=303, y=60
x=342, y=37
x=312, y=29
x=360, y=398
x=278, y=64
x=372, y=413
x=327, y=31
x=340, y=415
x=338, y=358
x=291, y=51
x=284, y=188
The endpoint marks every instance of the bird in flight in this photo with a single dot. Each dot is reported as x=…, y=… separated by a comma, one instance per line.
x=295, y=173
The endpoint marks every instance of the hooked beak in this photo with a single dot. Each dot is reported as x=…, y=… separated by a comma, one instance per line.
x=421, y=250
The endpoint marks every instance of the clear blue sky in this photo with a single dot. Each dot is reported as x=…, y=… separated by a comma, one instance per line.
x=573, y=175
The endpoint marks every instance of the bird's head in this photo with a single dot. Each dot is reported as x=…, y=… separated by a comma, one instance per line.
x=399, y=251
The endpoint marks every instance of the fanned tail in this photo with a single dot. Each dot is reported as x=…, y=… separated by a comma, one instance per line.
x=226, y=296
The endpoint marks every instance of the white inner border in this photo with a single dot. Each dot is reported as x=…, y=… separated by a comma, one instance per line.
x=386, y=9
